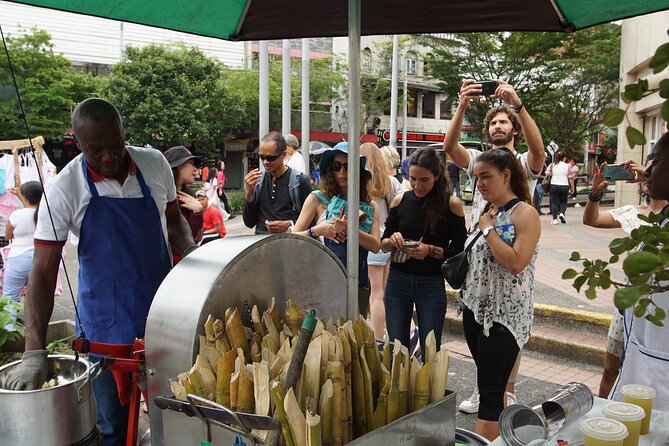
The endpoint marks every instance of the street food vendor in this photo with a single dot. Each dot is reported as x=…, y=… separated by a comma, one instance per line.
x=122, y=204
x=646, y=347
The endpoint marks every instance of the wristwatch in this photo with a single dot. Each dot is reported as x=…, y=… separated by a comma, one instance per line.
x=487, y=230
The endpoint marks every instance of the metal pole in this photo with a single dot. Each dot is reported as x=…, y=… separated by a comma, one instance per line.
x=285, y=84
x=404, y=120
x=393, y=93
x=353, y=192
x=305, y=104
x=263, y=99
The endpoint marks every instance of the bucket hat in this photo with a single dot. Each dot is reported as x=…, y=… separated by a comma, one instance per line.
x=342, y=147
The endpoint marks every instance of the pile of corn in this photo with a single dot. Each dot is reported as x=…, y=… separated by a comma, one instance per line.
x=347, y=387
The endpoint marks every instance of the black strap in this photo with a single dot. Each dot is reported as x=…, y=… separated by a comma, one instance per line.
x=469, y=247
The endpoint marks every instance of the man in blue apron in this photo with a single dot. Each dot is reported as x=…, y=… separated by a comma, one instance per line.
x=121, y=203
x=646, y=347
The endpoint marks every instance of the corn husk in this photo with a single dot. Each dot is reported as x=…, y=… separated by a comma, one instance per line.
x=367, y=384
x=312, y=375
x=257, y=322
x=278, y=396
x=237, y=334
x=224, y=370
x=234, y=390
x=430, y=347
x=313, y=423
x=245, y=395
x=335, y=372
x=296, y=420
x=439, y=376
x=326, y=411
x=293, y=317
x=421, y=395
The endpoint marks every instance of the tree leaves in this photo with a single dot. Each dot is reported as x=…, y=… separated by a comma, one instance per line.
x=660, y=60
x=642, y=263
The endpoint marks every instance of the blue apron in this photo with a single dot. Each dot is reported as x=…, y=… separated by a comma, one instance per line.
x=123, y=258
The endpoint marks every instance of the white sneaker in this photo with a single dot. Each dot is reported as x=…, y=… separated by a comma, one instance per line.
x=577, y=205
x=562, y=219
x=554, y=221
x=511, y=399
x=472, y=404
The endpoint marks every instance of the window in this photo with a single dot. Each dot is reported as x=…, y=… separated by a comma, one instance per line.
x=412, y=105
x=367, y=58
x=428, y=105
x=429, y=57
x=411, y=66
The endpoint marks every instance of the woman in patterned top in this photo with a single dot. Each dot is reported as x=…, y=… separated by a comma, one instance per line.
x=497, y=293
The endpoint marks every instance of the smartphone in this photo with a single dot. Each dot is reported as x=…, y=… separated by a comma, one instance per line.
x=488, y=87
x=362, y=217
x=409, y=243
x=617, y=172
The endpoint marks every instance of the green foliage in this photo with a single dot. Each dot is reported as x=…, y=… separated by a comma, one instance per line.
x=49, y=85
x=236, y=200
x=60, y=346
x=646, y=269
x=7, y=306
x=565, y=80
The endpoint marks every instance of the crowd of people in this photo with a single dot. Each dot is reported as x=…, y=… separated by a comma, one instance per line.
x=409, y=223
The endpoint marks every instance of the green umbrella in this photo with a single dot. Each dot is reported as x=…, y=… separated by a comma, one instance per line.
x=278, y=19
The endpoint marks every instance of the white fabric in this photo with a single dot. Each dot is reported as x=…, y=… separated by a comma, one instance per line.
x=27, y=172
x=478, y=203
x=69, y=193
x=559, y=174
x=296, y=162
x=23, y=222
x=628, y=217
x=381, y=206
x=493, y=294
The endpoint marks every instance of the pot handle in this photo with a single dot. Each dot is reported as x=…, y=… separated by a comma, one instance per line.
x=192, y=399
x=93, y=373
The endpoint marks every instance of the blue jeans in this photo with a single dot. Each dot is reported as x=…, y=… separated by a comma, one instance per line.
x=428, y=293
x=112, y=418
x=538, y=196
x=16, y=274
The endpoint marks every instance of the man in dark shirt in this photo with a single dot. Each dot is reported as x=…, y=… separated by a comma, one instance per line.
x=454, y=178
x=270, y=208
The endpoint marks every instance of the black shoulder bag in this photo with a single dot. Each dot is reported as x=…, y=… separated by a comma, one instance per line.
x=455, y=269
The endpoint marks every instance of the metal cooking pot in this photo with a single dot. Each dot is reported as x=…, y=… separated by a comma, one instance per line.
x=58, y=416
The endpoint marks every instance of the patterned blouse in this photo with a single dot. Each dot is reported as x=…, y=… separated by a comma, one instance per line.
x=493, y=294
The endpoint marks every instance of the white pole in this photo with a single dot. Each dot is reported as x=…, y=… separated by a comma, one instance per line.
x=263, y=128
x=393, y=93
x=305, y=104
x=285, y=85
x=353, y=191
x=404, y=120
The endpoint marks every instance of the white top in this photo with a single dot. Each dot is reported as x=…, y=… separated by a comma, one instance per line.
x=69, y=194
x=478, y=203
x=23, y=222
x=559, y=174
x=383, y=204
x=628, y=217
x=295, y=161
x=493, y=294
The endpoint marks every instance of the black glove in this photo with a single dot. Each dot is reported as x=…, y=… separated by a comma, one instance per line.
x=30, y=374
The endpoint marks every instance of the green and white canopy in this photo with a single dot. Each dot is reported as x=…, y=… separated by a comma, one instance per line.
x=275, y=19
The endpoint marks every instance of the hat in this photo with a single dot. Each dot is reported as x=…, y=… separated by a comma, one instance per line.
x=201, y=193
x=291, y=141
x=178, y=155
x=341, y=147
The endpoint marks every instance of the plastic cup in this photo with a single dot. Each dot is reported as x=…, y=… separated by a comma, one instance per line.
x=628, y=414
x=602, y=431
x=642, y=396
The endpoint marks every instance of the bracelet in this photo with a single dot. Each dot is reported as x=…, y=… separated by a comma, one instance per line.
x=593, y=197
x=311, y=233
x=519, y=108
x=431, y=253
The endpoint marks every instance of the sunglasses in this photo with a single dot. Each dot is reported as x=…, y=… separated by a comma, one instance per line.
x=270, y=158
x=336, y=166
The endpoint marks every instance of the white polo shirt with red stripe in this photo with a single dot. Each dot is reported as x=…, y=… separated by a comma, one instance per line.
x=68, y=194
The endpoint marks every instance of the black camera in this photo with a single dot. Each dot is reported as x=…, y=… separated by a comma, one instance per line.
x=488, y=87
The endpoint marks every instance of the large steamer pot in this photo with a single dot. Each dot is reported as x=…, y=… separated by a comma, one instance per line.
x=59, y=416
x=237, y=271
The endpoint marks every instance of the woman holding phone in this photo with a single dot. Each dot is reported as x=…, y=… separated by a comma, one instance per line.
x=324, y=215
x=425, y=225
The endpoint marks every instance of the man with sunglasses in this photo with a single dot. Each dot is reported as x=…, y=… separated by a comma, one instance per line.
x=274, y=198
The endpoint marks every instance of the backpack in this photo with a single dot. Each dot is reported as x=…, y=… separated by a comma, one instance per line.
x=293, y=188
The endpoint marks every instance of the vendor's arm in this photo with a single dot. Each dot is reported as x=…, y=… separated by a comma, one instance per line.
x=515, y=258
x=179, y=233
x=469, y=91
x=39, y=296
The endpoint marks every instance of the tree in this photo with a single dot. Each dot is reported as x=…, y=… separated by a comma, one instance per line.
x=565, y=80
x=169, y=95
x=49, y=85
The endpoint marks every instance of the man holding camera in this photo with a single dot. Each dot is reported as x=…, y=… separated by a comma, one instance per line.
x=504, y=127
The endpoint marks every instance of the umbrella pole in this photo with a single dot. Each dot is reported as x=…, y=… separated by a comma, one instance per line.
x=353, y=192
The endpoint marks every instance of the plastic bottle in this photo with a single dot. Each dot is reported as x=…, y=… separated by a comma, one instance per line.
x=504, y=226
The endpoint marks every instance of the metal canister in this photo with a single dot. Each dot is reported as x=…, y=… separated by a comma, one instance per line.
x=520, y=424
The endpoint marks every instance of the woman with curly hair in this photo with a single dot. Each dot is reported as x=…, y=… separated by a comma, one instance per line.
x=425, y=225
x=324, y=215
x=496, y=296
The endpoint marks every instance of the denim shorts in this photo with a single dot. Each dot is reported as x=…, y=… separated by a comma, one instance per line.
x=378, y=259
